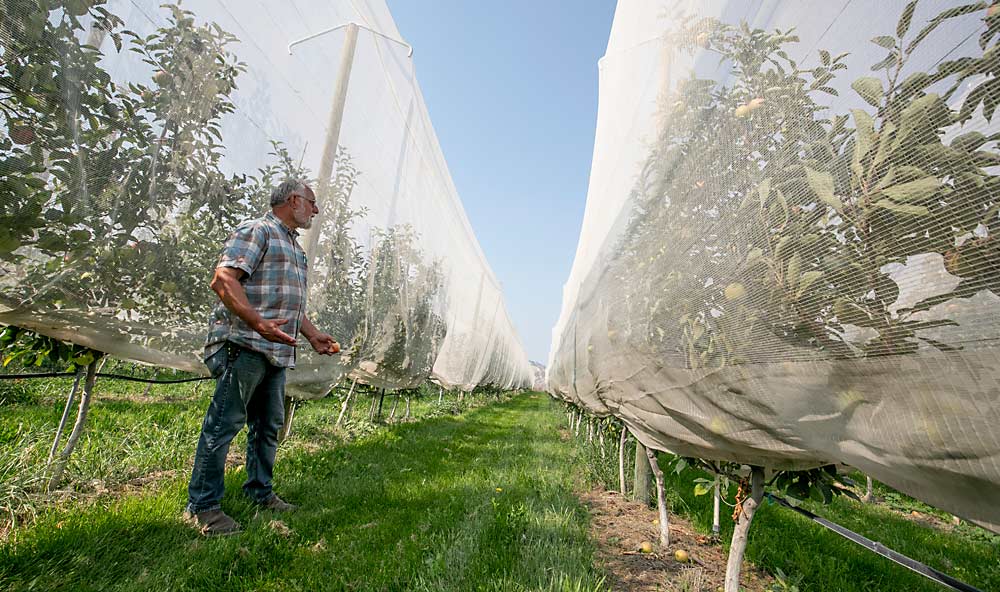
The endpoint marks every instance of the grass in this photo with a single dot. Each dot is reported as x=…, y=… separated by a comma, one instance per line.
x=477, y=501
x=131, y=433
x=481, y=500
x=818, y=559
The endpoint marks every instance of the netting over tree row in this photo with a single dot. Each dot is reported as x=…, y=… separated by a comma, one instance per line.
x=135, y=137
x=789, y=255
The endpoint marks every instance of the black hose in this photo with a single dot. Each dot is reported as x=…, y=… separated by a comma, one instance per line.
x=880, y=549
x=102, y=375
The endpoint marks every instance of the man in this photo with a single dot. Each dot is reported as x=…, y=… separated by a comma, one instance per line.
x=261, y=283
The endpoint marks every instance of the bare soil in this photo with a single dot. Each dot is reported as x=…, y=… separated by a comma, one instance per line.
x=620, y=526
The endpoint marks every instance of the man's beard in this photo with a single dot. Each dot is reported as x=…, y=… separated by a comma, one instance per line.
x=303, y=218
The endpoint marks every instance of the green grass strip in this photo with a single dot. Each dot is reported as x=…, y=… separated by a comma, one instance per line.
x=822, y=560
x=480, y=501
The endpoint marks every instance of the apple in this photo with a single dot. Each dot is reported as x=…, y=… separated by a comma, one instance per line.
x=735, y=291
x=22, y=134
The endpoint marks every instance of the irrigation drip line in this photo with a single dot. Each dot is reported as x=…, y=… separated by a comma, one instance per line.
x=101, y=375
x=880, y=549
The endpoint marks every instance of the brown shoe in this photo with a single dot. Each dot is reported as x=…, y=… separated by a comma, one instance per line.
x=276, y=504
x=213, y=523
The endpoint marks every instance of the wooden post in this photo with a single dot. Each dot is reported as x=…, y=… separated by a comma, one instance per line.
x=346, y=403
x=715, y=509
x=286, y=428
x=640, y=489
x=371, y=408
x=869, y=491
x=62, y=422
x=739, y=543
x=81, y=419
x=661, y=499
x=621, y=460
x=395, y=403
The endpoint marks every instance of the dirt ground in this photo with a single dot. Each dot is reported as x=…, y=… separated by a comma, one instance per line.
x=620, y=525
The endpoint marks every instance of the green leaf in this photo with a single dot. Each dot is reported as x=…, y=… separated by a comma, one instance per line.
x=824, y=57
x=914, y=190
x=782, y=203
x=822, y=185
x=792, y=273
x=808, y=279
x=870, y=90
x=898, y=208
x=701, y=489
x=901, y=174
x=915, y=82
x=865, y=129
x=886, y=62
x=885, y=137
x=904, y=19
x=79, y=235
x=923, y=115
x=885, y=41
x=987, y=93
x=782, y=245
x=763, y=190
x=851, y=313
x=947, y=14
x=968, y=142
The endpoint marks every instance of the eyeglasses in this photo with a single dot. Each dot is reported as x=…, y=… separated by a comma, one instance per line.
x=311, y=201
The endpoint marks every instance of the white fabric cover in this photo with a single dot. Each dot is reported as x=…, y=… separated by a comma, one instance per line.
x=396, y=273
x=794, y=264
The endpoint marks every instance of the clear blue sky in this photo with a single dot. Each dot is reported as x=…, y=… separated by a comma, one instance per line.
x=512, y=92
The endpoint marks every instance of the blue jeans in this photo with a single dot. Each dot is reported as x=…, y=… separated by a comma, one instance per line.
x=248, y=390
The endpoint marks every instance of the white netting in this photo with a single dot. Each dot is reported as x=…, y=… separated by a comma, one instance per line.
x=789, y=253
x=136, y=136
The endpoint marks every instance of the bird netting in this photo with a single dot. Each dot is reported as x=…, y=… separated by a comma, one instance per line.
x=136, y=136
x=789, y=254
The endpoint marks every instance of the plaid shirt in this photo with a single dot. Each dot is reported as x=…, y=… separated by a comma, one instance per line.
x=275, y=285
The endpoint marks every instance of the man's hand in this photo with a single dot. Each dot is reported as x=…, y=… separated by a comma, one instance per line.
x=269, y=330
x=226, y=283
x=324, y=344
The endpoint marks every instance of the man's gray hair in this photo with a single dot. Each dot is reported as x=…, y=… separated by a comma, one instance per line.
x=282, y=192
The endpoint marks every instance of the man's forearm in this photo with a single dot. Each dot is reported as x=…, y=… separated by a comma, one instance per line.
x=233, y=295
x=307, y=329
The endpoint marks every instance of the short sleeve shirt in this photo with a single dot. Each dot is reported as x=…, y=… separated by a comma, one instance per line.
x=275, y=284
